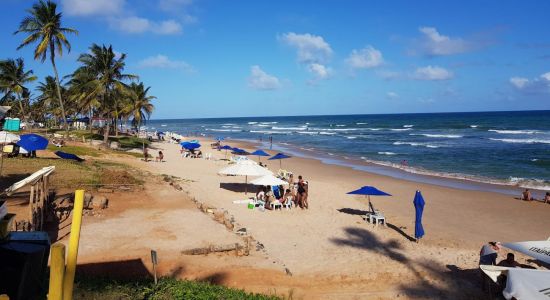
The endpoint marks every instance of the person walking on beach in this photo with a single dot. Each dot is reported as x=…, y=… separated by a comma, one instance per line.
x=302, y=193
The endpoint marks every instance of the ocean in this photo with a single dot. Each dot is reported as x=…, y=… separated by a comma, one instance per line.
x=505, y=148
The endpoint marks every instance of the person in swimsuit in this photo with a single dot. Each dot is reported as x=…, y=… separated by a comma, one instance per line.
x=302, y=193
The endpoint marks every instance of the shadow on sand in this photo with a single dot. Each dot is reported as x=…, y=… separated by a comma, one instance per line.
x=452, y=282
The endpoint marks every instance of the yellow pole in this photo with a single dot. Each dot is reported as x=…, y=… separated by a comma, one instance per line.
x=57, y=270
x=68, y=281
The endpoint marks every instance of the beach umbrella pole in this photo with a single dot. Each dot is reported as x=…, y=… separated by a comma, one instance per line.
x=246, y=184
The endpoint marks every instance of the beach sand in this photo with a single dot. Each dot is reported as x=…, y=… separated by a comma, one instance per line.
x=332, y=253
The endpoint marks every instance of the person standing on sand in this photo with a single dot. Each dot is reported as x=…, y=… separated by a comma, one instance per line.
x=145, y=154
x=547, y=198
x=302, y=193
x=291, y=185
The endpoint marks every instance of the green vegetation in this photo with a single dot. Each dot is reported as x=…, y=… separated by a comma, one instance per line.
x=76, y=150
x=98, y=87
x=167, y=288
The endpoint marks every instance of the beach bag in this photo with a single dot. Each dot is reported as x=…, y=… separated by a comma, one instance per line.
x=251, y=205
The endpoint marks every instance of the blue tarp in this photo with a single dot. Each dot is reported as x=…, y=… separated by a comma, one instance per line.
x=419, y=208
x=65, y=155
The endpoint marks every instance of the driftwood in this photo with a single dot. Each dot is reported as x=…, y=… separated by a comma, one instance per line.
x=239, y=249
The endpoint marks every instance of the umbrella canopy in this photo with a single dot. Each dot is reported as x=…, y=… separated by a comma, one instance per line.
x=65, y=155
x=259, y=153
x=220, y=138
x=268, y=180
x=190, y=146
x=537, y=249
x=32, y=142
x=226, y=147
x=239, y=151
x=279, y=156
x=8, y=137
x=419, y=208
x=245, y=167
x=369, y=191
x=527, y=284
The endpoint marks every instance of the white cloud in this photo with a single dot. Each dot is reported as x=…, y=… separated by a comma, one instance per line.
x=319, y=71
x=311, y=48
x=537, y=85
x=141, y=25
x=519, y=82
x=432, y=73
x=92, y=7
x=435, y=44
x=365, y=58
x=163, y=62
x=392, y=95
x=260, y=80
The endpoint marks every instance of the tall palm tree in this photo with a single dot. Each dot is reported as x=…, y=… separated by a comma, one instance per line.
x=138, y=105
x=13, y=79
x=48, y=97
x=106, y=73
x=43, y=25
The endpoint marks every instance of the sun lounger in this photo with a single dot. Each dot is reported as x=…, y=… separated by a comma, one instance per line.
x=276, y=204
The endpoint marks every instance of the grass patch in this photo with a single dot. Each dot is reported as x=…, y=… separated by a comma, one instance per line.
x=167, y=288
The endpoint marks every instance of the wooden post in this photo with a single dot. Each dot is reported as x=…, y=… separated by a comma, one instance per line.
x=68, y=281
x=31, y=208
x=57, y=272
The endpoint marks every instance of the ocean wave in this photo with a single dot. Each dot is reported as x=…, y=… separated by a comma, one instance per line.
x=331, y=154
x=408, y=126
x=416, y=144
x=374, y=129
x=387, y=153
x=226, y=126
x=263, y=125
x=529, y=183
x=269, y=122
x=327, y=133
x=351, y=137
x=288, y=128
x=308, y=132
x=224, y=130
x=400, y=129
x=335, y=129
x=229, y=124
x=269, y=132
x=514, y=131
x=474, y=126
x=340, y=125
x=450, y=136
x=252, y=123
x=522, y=141
x=361, y=123
x=163, y=125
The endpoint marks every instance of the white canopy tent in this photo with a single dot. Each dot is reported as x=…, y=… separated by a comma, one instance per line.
x=268, y=180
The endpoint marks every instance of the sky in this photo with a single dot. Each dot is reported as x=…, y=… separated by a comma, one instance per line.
x=206, y=58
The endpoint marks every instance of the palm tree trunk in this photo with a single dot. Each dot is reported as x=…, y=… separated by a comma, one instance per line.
x=58, y=87
x=24, y=117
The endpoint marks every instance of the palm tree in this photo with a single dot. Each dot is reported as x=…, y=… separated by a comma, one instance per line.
x=105, y=72
x=138, y=105
x=44, y=27
x=13, y=79
x=48, y=97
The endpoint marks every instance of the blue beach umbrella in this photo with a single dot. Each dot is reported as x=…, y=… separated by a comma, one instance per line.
x=369, y=191
x=419, y=208
x=32, y=142
x=279, y=156
x=191, y=146
x=239, y=151
x=220, y=138
x=259, y=153
x=225, y=147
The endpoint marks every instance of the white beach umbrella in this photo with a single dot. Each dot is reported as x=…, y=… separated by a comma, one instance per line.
x=8, y=137
x=537, y=249
x=245, y=168
x=268, y=180
x=527, y=284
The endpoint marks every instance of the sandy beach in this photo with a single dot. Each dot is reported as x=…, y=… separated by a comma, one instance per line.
x=331, y=244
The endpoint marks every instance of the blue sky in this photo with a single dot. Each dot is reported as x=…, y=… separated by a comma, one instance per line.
x=205, y=58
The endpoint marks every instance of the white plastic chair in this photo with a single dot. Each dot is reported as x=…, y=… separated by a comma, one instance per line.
x=276, y=204
x=288, y=203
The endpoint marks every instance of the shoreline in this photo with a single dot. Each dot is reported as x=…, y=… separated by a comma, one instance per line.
x=411, y=175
